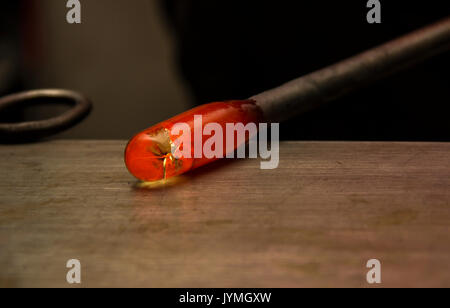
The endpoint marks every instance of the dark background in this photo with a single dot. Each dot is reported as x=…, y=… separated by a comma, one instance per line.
x=233, y=50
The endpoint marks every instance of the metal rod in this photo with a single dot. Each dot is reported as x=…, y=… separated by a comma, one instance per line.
x=317, y=88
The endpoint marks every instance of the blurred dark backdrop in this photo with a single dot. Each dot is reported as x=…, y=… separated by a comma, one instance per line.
x=121, y=56
x=235, y=49
x=144, y=60
x=9, y=46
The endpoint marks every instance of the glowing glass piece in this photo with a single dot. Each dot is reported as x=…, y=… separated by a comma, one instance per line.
x=149, y=157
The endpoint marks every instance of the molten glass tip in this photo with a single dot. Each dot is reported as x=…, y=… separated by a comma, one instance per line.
x=149, y=155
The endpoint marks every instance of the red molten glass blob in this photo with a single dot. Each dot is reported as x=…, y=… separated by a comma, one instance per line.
x=149, y=157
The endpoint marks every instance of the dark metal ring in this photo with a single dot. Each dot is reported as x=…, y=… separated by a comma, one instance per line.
x=33, y=130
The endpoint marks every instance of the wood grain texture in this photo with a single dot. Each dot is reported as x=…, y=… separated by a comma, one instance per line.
x=314, y=221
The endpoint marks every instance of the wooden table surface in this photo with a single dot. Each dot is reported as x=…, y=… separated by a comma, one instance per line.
x=314, y=221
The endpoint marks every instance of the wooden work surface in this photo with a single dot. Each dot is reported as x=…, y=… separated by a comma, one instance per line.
x=315, y=221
